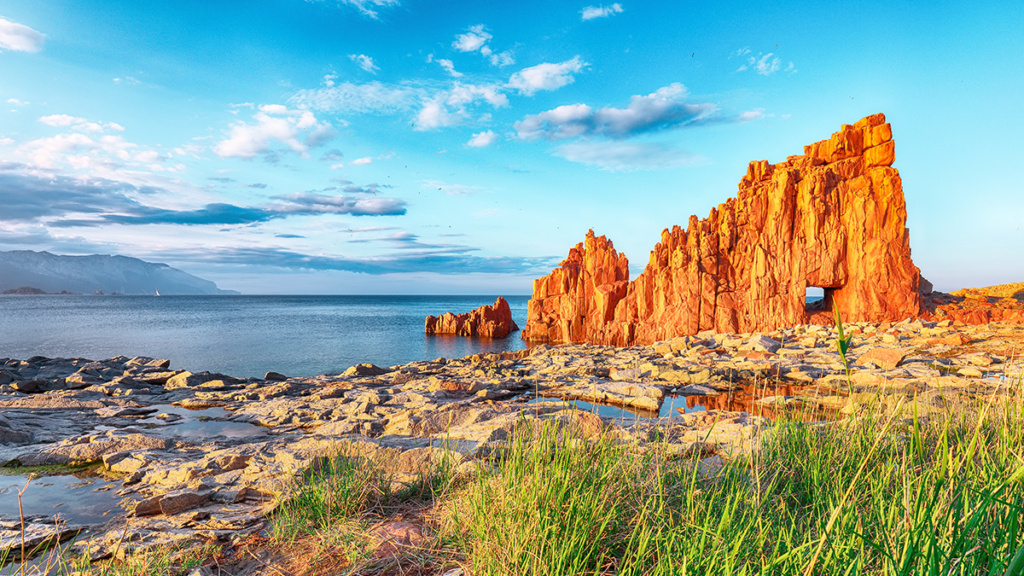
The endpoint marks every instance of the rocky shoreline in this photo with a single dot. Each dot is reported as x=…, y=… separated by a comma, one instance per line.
x=206, y=457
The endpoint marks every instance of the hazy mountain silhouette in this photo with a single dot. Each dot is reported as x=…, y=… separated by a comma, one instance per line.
x=89, y=274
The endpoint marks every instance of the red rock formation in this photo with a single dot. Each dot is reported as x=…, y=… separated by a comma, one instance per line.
x=976, y=306
x=484, y=322
x=578, y=299
x=834, y=218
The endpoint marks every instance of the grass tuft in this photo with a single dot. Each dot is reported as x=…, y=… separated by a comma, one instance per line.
x=880, y=496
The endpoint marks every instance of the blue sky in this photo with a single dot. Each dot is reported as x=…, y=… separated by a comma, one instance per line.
x=404, y=146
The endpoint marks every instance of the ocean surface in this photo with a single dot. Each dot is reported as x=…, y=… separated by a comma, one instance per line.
x=244, y=335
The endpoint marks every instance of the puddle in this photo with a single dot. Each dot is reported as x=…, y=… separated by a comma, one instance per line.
x=744, y=399
x=76, y=499
x=196, y=424
x=627, y=415
x=740, y=399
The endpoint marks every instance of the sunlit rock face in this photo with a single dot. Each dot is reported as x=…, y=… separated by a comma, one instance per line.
x=487, y=321
x=833, y=218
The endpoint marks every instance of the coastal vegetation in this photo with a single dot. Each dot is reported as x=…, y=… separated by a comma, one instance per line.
x=886, y=462
x=887, y=494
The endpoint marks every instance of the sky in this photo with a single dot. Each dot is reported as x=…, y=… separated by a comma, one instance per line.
x=415, y=147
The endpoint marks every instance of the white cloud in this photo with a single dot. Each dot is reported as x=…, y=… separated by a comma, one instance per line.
x=591, y=12
x=127, y=80
x=625, y=156
x=329, y=79
x=449, y=67
x=751, y=115
x=546, y=76
x=364, y=62
x=434, y=114
x=451, y=107
x=274, y=123
x=483, y=139
x=369, y=98
x=100, y=155
x=16, y=102
x=60, y=120
x=767, y=65
x=476, y=40
x=362, y=161
x=20, y=38
x=462, y=94
x=664, y=108
x=80, y=124
x=366, y=7
x=763, y=64
x=473, y=40
x=562, y=123
x=499, y=59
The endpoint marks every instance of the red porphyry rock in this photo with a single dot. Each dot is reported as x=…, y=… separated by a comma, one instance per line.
x=975, y=306
x=834, y=218
x=484, y=322
x=578, y=299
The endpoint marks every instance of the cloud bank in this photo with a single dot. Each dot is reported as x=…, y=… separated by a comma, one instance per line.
x=664, y=108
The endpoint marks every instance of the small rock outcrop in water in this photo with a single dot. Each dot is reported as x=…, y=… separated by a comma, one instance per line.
x=833, y=218
x=485, y=322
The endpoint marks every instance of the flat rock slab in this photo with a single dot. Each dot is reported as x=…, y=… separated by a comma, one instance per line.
x=884, y=358
x=626, y=394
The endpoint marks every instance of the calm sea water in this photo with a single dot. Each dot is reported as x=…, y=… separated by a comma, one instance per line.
x=243, y=335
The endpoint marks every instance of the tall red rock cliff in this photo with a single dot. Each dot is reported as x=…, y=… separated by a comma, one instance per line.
x=578, y=299
x=833, y=218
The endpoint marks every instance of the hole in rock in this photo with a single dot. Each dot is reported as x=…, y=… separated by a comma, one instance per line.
x=815, y=299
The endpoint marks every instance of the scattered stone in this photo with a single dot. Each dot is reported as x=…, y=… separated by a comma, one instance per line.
x=364, y=370
x=884, y=358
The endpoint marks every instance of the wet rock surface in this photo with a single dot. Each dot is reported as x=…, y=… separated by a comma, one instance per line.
x=207, y=456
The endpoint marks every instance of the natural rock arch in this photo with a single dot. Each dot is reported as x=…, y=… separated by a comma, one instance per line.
x=834, y=217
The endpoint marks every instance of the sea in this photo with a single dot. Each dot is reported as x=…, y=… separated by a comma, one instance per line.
x=244, y=336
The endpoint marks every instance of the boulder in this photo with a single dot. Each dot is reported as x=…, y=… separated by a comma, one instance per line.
x=364, y=369
x=884, y=358
x=488, y=321
x=834, y=218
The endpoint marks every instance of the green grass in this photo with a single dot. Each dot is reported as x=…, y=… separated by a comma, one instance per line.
x=170, y=561
x=873, y=496
x=334, y=490
x=340, y=488
x=887, y=494
x=14, y=469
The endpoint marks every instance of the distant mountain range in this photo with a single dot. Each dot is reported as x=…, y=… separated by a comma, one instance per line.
x=52, y=273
